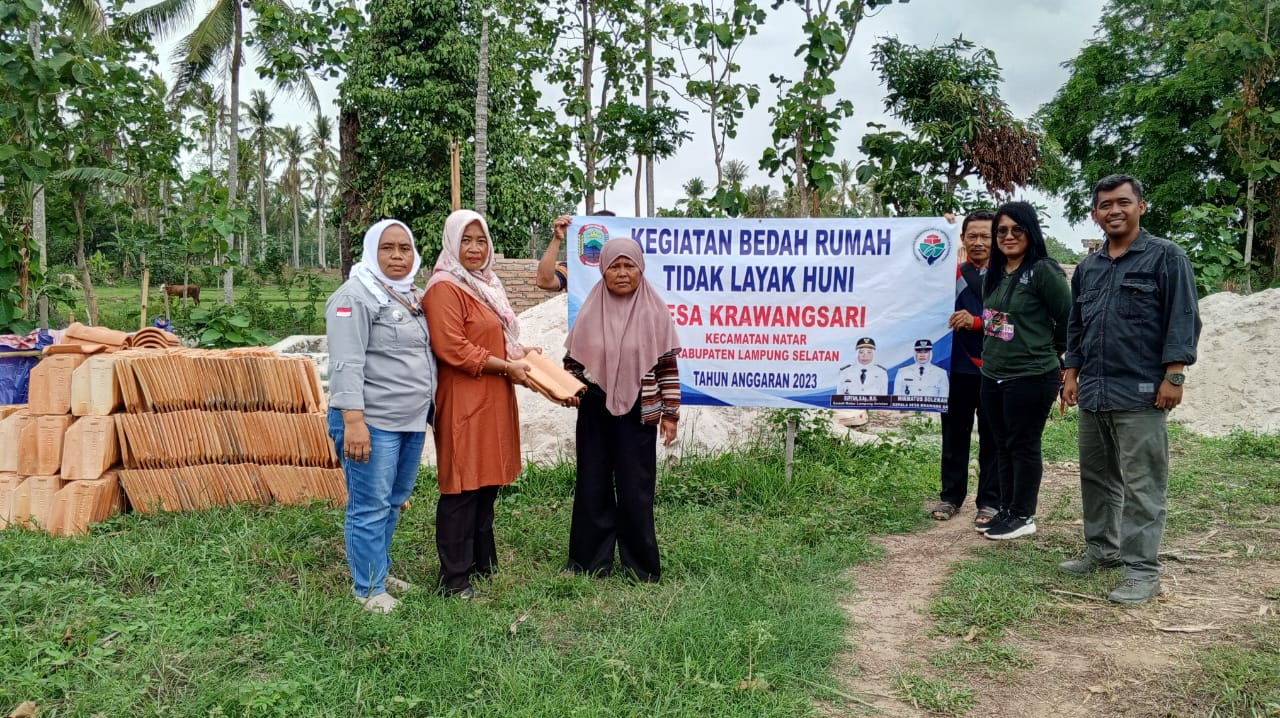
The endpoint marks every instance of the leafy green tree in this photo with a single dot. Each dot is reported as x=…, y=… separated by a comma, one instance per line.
x=1181, y=94
x=806, y=118
x=410, y=89
x=714, y=34
x=598, y=70
x=1248, y=123
x=949, y=98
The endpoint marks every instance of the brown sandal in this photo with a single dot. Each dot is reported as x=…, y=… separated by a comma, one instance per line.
x=943, y=511
x=985, y=516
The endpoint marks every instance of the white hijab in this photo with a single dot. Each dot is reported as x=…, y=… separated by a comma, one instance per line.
x=370, y=274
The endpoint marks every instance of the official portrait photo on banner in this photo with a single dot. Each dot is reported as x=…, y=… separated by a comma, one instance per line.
x=831, y=313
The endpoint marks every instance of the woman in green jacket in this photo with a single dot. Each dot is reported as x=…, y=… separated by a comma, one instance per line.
x=1026, y=300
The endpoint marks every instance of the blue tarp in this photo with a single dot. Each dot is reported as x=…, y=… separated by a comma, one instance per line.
x=15, y=372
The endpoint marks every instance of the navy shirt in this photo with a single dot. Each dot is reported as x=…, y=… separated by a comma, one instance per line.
x=1130, y=317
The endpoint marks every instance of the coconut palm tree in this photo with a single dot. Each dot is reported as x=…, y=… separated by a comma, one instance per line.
x=258, y=115
x=293, y=148
x=210, y=108
x=845, y=179
x=763, y=201
x=692, y=201
x=322, y=162
x=215, y=47
x=735, y=172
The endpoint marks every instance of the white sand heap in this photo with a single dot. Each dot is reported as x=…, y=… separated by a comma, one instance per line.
x=547, y=429
x=1235, y=382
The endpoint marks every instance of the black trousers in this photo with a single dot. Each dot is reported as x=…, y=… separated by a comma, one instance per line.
x=464, y=537
x=1018, y=409
x=957, y=431
x=613, y=494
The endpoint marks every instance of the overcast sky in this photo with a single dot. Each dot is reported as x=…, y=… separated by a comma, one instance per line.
x=1031, y=40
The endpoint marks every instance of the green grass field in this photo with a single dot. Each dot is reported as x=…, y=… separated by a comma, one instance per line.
x=278, y=310
x=247, y=611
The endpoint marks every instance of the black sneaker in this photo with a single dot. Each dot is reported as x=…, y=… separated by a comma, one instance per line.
x=1012, y=527
x=1000, y=516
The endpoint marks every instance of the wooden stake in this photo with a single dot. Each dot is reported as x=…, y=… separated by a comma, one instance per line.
x=791, y=447
x=146, y=284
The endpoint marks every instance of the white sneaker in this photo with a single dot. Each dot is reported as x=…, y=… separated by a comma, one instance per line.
x=379, y=603
x=398, y=585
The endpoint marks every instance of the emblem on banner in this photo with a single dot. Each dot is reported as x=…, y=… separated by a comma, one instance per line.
x=932, y=246
x=591, y=239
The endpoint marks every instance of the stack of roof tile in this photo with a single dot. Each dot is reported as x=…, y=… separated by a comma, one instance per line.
x=80, y=503
x=199, y=429
x=151, y=338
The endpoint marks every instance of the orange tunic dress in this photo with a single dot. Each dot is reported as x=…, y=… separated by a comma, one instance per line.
x=477, y=424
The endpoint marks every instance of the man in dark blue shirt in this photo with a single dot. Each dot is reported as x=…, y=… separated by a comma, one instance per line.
x=966, y=380
x=1133, y=328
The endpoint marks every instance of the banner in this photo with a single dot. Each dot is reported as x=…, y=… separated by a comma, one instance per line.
x=831, y=313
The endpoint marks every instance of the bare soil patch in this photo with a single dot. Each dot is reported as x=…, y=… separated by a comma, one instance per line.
x=1106, y=660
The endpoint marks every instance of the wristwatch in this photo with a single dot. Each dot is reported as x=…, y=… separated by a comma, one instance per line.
x=1176, y=378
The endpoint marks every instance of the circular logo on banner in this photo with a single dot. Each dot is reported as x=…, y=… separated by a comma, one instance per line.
x=591, y=239
x=932, y=246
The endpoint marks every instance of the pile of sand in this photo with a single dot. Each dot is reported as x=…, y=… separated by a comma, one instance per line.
x=1235, y=382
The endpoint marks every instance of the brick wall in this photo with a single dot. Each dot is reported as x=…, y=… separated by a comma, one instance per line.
x=517, y=277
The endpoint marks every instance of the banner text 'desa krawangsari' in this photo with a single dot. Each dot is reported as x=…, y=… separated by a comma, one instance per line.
x=829, y=313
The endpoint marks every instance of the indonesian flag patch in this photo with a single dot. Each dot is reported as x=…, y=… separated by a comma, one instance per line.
x=343, y=312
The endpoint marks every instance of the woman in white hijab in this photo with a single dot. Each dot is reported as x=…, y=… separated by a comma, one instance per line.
x=476, y=339
x=382, y=378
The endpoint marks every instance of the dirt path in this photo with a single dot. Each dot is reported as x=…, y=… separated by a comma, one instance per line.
x=1104, y=660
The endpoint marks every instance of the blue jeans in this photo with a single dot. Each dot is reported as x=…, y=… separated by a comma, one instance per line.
x=375, y=491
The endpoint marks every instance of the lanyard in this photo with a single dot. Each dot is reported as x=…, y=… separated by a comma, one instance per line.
x=414, y=309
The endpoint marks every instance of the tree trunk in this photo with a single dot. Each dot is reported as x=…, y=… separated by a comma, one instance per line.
x=1248, y=235
x=295, y=200
x=348, y=169
x=320, y=258
x=588, y=124
x=639, y=177
x=262, y=205
x=233, y=151
x=481, y=192
x=38, y=230
x=648, y=106
x=82, y=261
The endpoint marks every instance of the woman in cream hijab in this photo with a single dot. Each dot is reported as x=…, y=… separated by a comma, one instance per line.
x=624, y=346
x=476, y=340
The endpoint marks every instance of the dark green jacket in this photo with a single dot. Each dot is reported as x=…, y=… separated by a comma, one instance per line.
x=1025, y=322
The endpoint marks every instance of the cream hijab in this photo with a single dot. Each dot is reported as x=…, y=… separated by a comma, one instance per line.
x=370, y=274
x=619, y=339
x=481, y=284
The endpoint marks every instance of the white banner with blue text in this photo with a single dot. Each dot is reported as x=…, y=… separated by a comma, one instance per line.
x=831, y=313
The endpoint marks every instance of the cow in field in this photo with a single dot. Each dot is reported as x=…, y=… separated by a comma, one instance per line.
x=183, y=290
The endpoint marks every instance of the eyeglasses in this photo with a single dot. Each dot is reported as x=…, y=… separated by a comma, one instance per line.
x=1016, y=231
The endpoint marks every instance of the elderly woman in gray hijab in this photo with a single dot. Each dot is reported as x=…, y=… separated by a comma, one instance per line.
x=623, y=345
x=382, y=378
